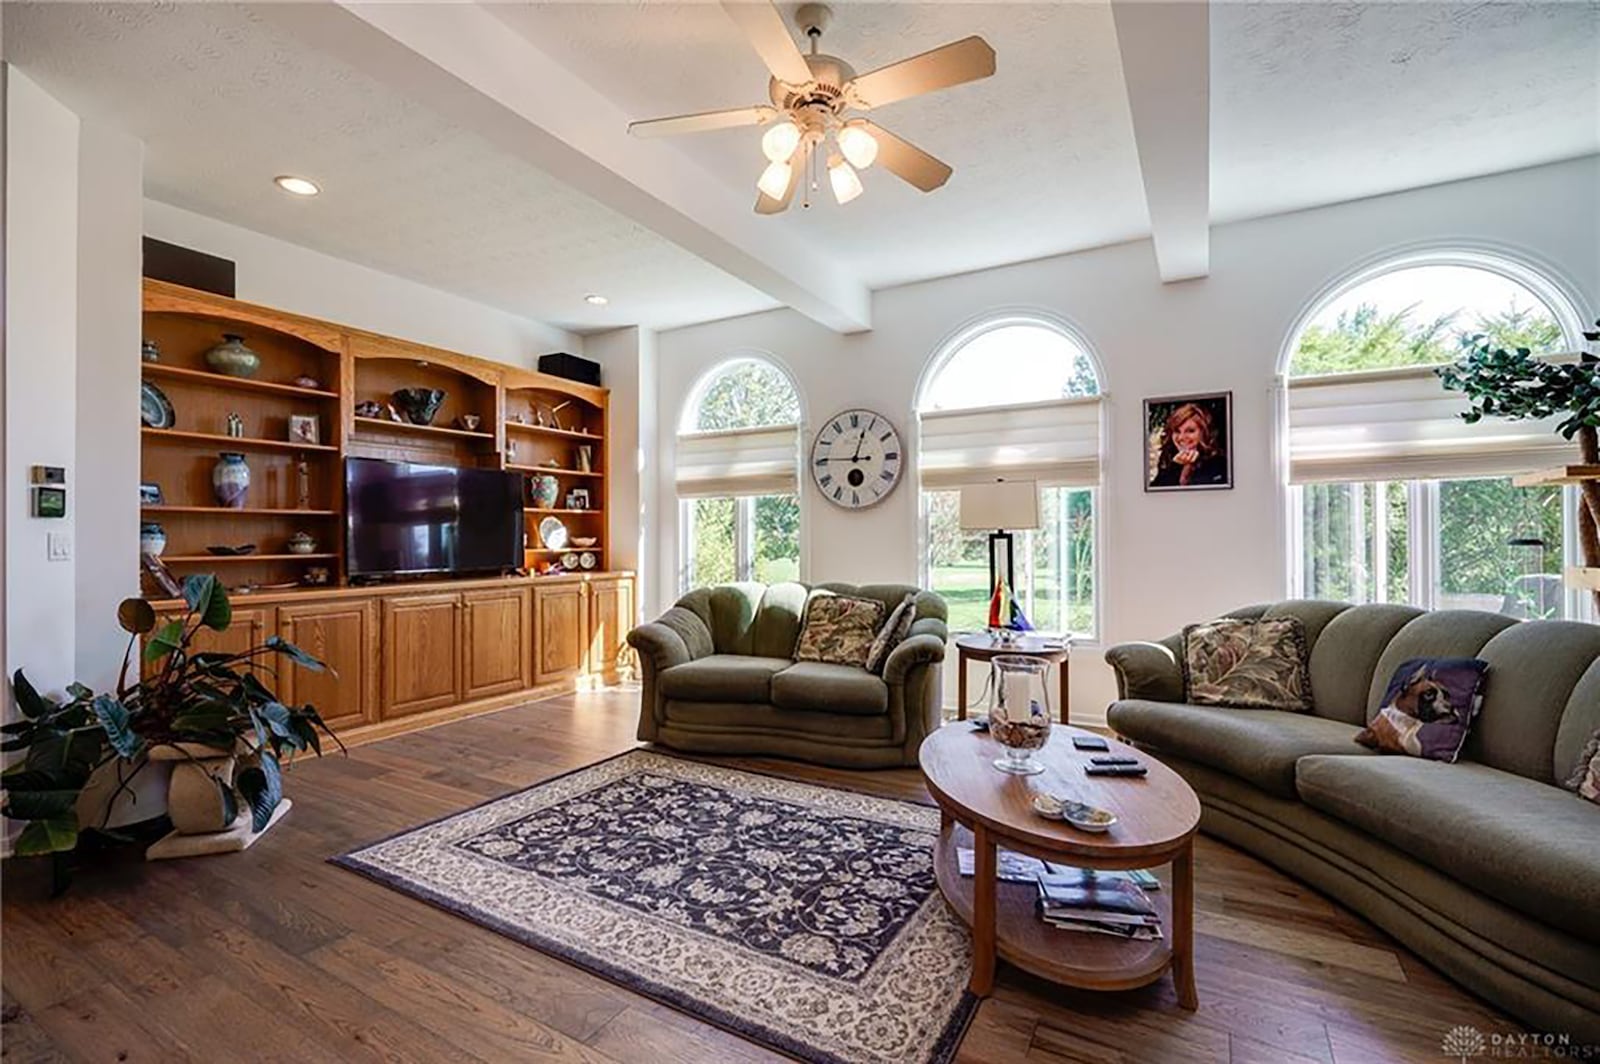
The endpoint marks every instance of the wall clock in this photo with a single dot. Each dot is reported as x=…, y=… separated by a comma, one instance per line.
x=856, y=459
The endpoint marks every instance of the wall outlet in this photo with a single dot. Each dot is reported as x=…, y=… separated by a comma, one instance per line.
x=60, y=546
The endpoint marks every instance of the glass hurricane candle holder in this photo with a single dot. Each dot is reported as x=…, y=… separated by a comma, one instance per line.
x=1019, y=712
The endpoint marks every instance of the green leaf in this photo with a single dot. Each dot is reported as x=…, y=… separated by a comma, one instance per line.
x=277, y=716
x=164, y=642
x=209, y=599
x=136, y=616
x=69, y=757
x=262, y=786
x=40, y=805
x=230, y=801
x=295, y=654
x=205, y=719
x=58, y=834
x=113, y=717
x=32, y=704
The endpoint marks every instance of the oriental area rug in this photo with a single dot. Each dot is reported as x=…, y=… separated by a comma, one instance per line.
x=801, y=917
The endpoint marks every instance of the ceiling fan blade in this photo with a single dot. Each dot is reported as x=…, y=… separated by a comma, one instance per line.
x=907, y=161
x=763, y=26
x=765, y=204
x=954, y=64
x=759, y=115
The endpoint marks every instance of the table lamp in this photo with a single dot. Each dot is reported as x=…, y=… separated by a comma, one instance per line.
x=1001, y=507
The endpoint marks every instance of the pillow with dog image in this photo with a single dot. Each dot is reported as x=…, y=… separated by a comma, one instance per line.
x=1586, y=777
x=1260, y=664
x=1428, y=708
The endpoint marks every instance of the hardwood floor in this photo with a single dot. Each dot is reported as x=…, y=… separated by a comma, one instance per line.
x=274, y=954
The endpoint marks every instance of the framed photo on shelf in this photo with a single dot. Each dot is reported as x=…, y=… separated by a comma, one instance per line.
x=161, y=575
x=578, y=499
x=1189, y=442
x=305, y=428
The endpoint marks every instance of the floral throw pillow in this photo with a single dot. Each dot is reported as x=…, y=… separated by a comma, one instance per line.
x=1428, y=708
x=892, y=634
x=1258, y=664
x=839, y=630
x=1586, y=777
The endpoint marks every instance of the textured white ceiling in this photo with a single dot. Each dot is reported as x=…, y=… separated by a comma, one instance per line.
x=1043, y=151
x=225, y=102
x=1315, y=103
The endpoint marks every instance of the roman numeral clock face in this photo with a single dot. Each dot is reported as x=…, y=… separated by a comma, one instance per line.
x=856, y=460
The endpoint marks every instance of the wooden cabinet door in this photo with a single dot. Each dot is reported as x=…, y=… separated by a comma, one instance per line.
x=610, y=618
x=561, y=632
x=496, y=648
x=344, y=636
x=421, y=653
x=249, y=628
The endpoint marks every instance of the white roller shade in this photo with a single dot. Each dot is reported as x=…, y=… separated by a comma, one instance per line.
x=1054, y=442
x=739, y=461
x=1405, y=425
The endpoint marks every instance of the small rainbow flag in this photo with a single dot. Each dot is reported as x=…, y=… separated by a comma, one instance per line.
x=1005, y=611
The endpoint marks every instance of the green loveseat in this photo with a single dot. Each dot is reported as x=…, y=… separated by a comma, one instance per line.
x=1487, y=868
x=720, y=678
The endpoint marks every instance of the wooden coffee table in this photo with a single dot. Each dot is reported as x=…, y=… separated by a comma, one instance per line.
x=983, y=808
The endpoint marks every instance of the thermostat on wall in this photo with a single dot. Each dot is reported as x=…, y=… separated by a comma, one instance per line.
x=48, y=474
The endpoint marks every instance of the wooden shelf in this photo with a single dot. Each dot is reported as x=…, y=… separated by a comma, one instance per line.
x=1587, y=578
x=231, y=443
x=541, y=510
x=194, y=559
x=548, y=430
x=552, y=470
x=222, y=380
x=229, y=511
x=375, y=424
x=1572, y=474
x=566, y=550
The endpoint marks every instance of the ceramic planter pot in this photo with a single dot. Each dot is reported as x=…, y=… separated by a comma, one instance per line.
x=194, y=799
x=105, y=802
x=230, y=479
x=232, y=358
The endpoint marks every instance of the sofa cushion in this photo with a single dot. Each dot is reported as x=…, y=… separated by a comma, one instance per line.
x=1252, y=664
x=1257, y=745
x=1428, y=709
x=1529, y=845
x=828, y=688
x=722, y=678
x=777, y=626
x=1345, y=655
x=1533, y=671
x=838, y=629
x=892, y=634
x=1585, y=778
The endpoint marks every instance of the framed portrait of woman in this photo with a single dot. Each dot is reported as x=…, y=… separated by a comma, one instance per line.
x=1189, y=442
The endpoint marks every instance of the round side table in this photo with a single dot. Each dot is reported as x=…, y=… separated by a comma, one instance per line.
x=982, y=647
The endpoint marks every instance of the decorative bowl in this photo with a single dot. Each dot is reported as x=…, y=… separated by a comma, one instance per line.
x=231, y=552
x=419, y=405
x=301, y=543
x=583, y=541
x=1078, y=814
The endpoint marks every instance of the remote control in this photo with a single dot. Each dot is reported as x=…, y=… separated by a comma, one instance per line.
x=1115, y=770
x=980, y=723
x=1115, y=759
x=1090, y=742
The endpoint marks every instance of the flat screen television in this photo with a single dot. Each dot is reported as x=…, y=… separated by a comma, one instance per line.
x=404, y=518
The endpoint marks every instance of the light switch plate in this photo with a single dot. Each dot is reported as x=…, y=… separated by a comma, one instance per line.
x=60, y=546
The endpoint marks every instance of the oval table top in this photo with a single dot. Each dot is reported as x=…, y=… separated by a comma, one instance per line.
x=982, y=647
x=1155, y=813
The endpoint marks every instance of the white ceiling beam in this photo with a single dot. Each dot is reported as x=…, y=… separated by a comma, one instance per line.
x=465, y=63
x=1166, y=63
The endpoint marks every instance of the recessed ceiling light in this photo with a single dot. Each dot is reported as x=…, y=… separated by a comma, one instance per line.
x=298, y=186
x=596, y=300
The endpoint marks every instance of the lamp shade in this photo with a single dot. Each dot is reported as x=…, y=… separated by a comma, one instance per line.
x=1000, y=504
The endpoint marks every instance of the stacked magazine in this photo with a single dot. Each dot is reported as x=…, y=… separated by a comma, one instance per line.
x=1103, y=903
x=1013, y=867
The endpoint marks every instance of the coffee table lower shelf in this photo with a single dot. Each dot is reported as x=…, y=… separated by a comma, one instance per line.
x=1072, y=958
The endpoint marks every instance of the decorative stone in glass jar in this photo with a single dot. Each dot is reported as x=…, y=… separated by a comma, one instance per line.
x=1019, y=712
x=232, y=358
x=230, y=479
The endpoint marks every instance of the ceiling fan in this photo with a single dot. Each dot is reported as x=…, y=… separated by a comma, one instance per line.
x=813, y=97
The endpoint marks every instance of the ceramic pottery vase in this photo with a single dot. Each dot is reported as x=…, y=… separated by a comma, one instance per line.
x=194, y=799
x=232, y=358
x=419, y=404
x=152, y=538
x=230, y=479
x=545, y=492
x=301, y=543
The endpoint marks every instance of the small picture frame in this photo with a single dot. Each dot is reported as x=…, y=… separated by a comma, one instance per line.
x=578, y=498
x=1189, y=442
x=161, y=575
x=49, y=502
x=305, y=428
x=150, y=495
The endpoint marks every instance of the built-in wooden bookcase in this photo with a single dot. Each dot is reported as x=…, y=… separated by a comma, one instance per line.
x=559, y=433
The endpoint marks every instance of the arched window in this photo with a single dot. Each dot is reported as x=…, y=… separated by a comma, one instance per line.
x=1397, y=499
x=737, y=461
x=1013, y=398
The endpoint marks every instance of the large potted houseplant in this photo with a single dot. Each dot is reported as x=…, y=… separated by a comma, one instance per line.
x=1517, y=385
x=208, y=713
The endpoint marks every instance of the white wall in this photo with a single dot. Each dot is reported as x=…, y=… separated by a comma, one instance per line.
x=1168, y=559
x=289, y=277
x=628, y=364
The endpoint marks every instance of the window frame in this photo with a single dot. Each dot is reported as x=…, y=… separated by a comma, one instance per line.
x=744, y=532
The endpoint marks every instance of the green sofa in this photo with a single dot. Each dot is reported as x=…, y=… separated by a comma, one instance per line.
x=720, y=678
x=1487, y=868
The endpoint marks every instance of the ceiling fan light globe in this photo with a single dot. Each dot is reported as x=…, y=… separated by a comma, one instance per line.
x=779, y=142
x=846, y=185
x=774, y=181
x=859, y=147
